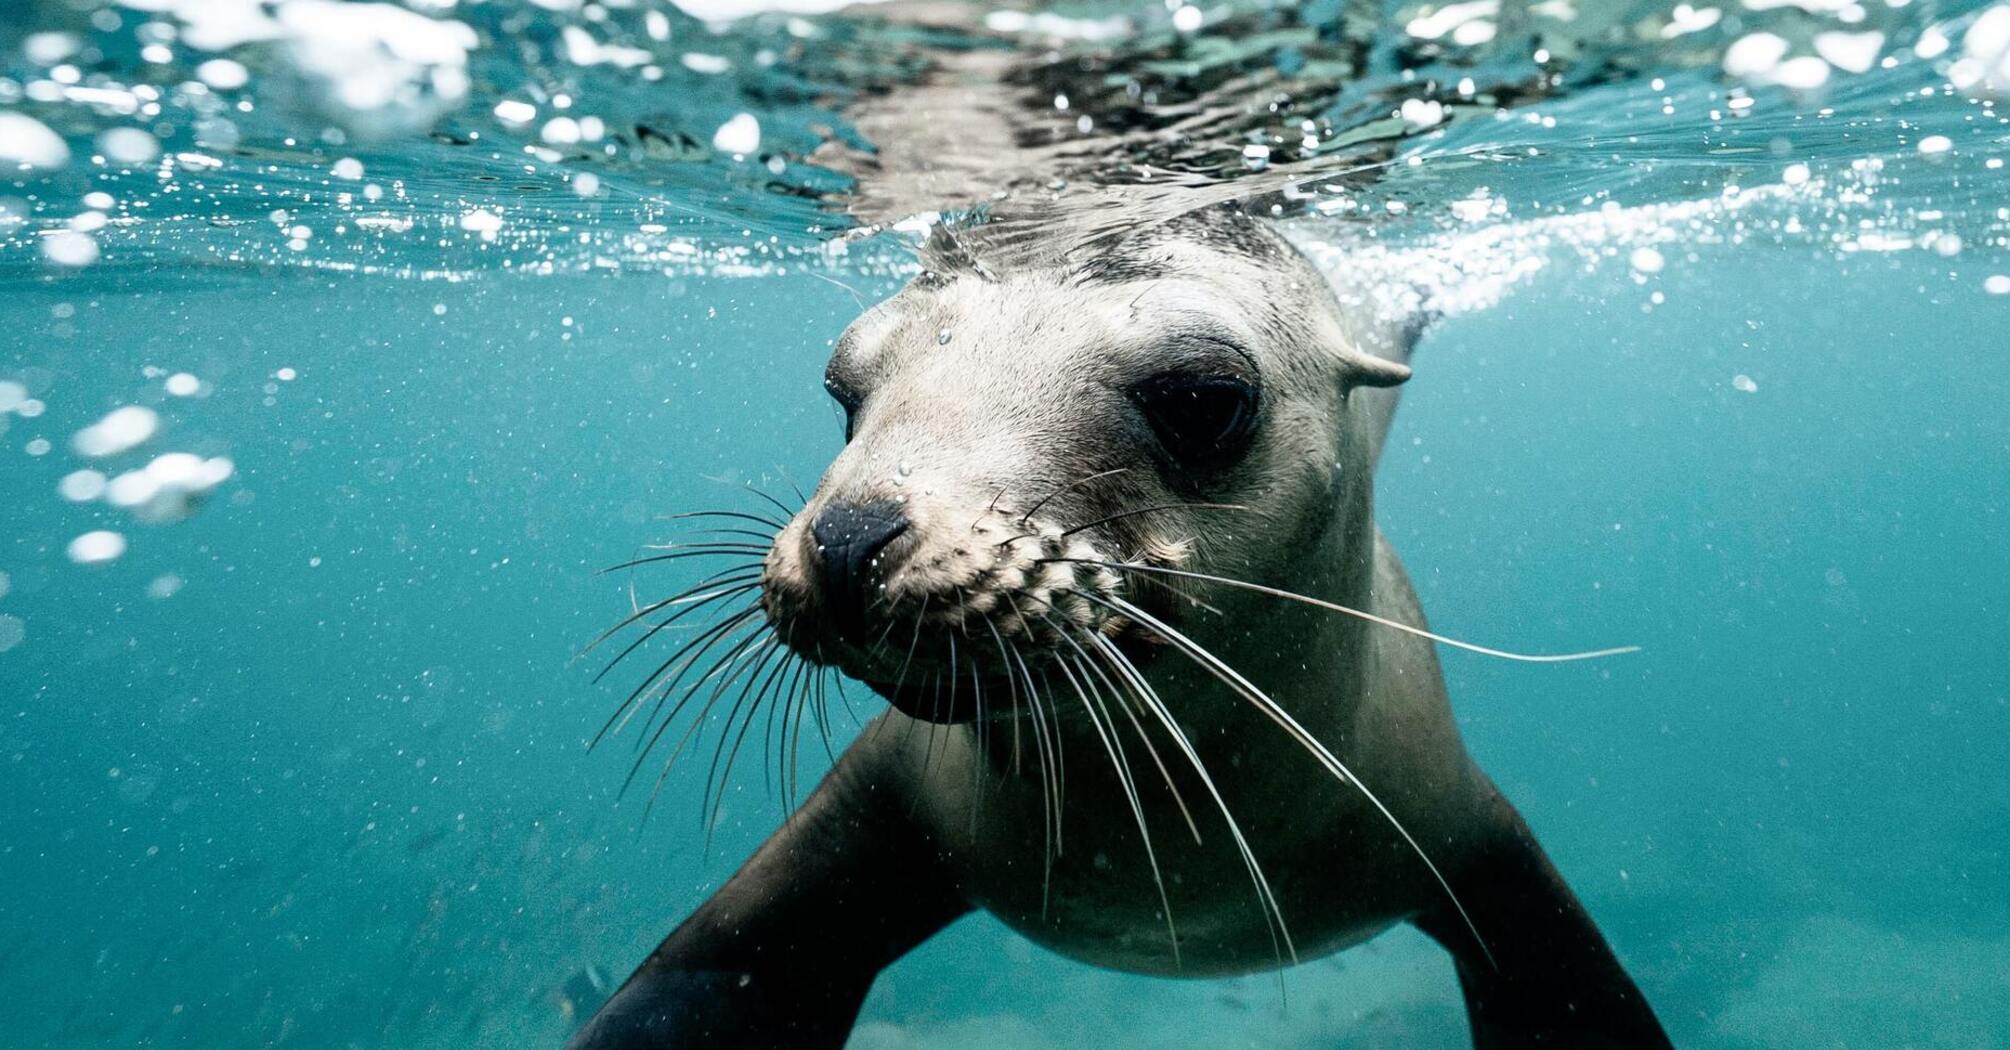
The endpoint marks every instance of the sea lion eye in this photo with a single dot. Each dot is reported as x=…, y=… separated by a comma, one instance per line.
x=1201, y=420
x=847, y=399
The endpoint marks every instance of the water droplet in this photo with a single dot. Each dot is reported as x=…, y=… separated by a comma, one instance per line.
x=942, y=337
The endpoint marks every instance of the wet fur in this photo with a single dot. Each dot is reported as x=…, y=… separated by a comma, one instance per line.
x=918, y=822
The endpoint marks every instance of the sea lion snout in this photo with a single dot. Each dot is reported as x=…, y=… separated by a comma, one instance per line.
x=941, y=603
x=848, y=550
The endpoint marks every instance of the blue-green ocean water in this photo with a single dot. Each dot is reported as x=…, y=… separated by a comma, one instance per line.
x=308, y=768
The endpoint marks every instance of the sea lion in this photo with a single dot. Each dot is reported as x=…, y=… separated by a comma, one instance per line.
x=1074, y=492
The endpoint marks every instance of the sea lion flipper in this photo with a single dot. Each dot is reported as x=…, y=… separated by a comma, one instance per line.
x=1546, y=977
x=784, y=953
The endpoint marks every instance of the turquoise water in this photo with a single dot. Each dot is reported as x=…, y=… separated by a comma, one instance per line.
x=304, y=764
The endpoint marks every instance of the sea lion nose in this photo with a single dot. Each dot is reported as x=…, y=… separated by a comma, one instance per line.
x=849, y=536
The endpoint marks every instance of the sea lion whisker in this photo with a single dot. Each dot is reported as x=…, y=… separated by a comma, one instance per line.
x=787, y=511
x=1058, y=738
x=802, y=498
x=759, y=519
x=715, y=794
x=684, y=598
x=746, y=552
x=691, y=653
x=729, y=577
x=1117, y=696
x=1047, y=832
x=797, y=703
x=691, y=604
x=1234, y=679
x=1050, y=794
x=770, y=770
x=765, y=538
x=670, y=686
x=629, y=705
x=1120, y=764
x=879, y=725
x=746, y=663
x=1148, y=698
x=1154, y=509
x=735, y=670
x=1226, y=581
x=1065, y=489
x=655, y=727
x=977, y=768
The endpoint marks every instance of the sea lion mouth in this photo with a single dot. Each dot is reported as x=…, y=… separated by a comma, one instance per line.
x=986, y=694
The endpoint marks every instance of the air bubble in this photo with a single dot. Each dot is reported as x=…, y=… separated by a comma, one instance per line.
x=97, y=547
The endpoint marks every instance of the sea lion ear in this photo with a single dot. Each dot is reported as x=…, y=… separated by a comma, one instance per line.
x=1367, y=370
x=1361, y=369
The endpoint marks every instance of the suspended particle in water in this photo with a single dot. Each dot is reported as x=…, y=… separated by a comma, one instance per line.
x=12, y=631
x=1935, y=145
x=164, y=586
x=1189, y=19
x=97, y=547
x=1744, y=383
x=1795, y=175
x=1997, y=284
x=29, y=409
x=347, y=168
x=286, y=375
x=1646, y=260
x=121, y=430
x=11, y=395
x=586, y=184
x=37, y=447
x=512, y=111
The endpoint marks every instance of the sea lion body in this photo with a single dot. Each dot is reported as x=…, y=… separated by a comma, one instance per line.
x=1134, y=768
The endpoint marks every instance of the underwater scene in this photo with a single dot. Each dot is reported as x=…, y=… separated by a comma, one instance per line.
x=382, y=383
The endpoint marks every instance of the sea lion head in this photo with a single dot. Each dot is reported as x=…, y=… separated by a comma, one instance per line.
x=1176, y=399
